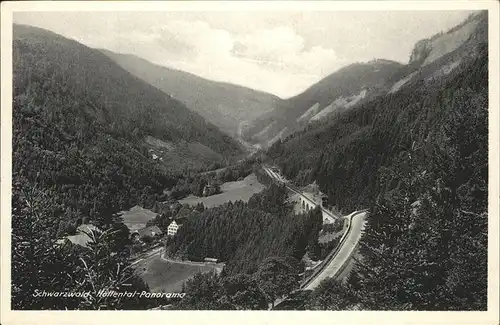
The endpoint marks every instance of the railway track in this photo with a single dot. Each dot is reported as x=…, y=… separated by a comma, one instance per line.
x=338, y=259
x=292, y=188
x=336, y=262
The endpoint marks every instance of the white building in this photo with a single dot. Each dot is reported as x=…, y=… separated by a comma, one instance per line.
x=174, y=226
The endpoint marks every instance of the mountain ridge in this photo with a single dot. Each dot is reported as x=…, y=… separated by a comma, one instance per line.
x=102, y=85
x=84, y=129
x=344, y=89
x=417, y=158
x=357, y=82
x=223, y=104
x=421, y=86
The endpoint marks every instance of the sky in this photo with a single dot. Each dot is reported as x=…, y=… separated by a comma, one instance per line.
x=280, y=52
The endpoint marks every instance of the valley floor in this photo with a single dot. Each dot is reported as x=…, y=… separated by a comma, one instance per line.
x=164, y=275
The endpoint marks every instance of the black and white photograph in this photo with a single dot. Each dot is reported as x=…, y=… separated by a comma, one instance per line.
x=219, y=158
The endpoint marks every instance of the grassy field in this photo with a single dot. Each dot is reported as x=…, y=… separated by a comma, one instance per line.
x=231, y=191
x=161, y=275
x=168, y=276
x=178, y=155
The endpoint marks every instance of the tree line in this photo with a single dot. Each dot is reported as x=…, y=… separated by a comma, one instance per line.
x=244, y=234
x=419, y=160
x=194, y=182
x=79, y=156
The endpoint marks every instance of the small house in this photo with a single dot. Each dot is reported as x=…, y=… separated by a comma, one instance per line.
x=174, y=226
x=211, y=188
x=211, y=260
x=137, y=217
x=151, y=231
x=207, y=190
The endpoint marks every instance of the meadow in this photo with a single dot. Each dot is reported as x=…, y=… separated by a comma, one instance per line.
x=231, y=191
x=167, y=276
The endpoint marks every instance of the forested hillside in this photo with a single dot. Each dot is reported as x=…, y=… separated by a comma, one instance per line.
x=46, y=274
x=418, y=158
x=244, y=234
x=79, y=155
x=344, y=155
x=407, y=142
x=104, y=93
x=223, y=104
x=261, y=242
x=334, y=94
x=357, y=84
x=79, y=122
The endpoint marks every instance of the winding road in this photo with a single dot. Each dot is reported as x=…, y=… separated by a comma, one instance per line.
x=339, y=258
x=334, y=265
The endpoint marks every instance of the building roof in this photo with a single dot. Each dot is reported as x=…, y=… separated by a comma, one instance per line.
x=80, y=238
x=149, y=231
x=211, y=259
x=137, y=217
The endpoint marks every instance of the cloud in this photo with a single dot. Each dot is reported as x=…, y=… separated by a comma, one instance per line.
x=278, y=52
x=270, y=44
x=197, y=36
x=282, y=48
x=258, y=59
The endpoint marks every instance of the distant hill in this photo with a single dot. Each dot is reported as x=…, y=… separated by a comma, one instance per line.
x=345, y=152
x=107, y=93
x=360, y=83
x=417, y=158
x=226, y=105
x=89, y=130
x=338, y=92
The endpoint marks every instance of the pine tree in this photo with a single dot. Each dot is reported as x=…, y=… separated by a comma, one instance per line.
x=38, y=262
